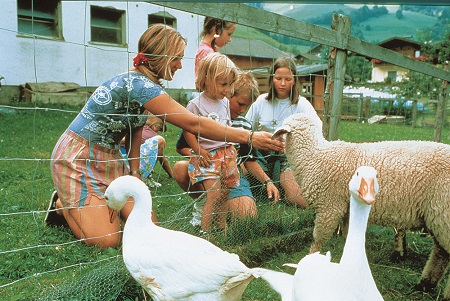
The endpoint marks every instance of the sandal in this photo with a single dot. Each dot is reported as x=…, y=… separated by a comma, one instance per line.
x=52, y=218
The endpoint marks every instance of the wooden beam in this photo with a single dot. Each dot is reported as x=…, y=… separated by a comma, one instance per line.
x=256, y=18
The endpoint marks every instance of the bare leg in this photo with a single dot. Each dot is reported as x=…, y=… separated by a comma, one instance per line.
x=180, y=174
x=94, y=224
x=241, y=207
x=214, y=205
x=162, y=158
x=291, y=189
x=220, y=206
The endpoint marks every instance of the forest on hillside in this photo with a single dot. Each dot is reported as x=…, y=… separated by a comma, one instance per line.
x=420, y=23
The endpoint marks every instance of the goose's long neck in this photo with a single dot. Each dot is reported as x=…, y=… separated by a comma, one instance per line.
x=142, y=205
x=354, y=249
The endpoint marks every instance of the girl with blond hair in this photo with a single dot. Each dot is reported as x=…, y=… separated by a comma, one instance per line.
x=214, y=164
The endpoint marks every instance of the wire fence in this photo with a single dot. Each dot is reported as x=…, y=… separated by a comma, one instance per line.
x=48, y=263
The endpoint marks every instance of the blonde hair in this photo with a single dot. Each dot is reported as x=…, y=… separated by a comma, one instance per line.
x=284, y=62
x=245, y=86
x=212, y=67
x=161, y=44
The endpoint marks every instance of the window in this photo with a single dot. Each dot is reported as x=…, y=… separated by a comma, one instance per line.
x=306, y=89
x=107, y=25
x=162, y=17
x=39, y=17
x=392, y=75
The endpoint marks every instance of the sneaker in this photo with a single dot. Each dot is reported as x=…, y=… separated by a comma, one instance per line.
x=52, y=218
x=198, y=209
x=151, y=183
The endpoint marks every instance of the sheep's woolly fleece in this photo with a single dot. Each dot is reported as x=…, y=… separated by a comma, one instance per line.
x=414, y=178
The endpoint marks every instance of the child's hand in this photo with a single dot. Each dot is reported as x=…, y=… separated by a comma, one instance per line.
x=204, y=159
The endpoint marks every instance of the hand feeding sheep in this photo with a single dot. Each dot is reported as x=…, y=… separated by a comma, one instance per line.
x=414, y=177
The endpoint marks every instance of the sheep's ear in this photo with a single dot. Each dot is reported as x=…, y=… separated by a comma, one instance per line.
x=281, y=131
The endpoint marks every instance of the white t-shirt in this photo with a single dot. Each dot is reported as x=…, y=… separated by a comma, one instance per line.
x=269, y=115
x=216, y=109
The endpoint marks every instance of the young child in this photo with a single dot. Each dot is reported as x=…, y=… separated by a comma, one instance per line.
x=213, y=162
x=152, y=150
x=216, y=33
x=241, y=202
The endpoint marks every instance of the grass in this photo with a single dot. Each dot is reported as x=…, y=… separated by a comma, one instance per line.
x=37, y=260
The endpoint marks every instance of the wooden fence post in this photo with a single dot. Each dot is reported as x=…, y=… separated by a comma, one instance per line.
x=360, y=112
x=440, y=109
x=327, y=102
x=341, y=24
x=367, y=104
x=414, y=113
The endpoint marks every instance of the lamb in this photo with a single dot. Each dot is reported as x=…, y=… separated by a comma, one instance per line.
x=322, y=169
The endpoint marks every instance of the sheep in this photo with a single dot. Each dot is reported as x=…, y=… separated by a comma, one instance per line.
x=323, y=167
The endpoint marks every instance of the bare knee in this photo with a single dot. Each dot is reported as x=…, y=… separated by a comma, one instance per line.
x=94, y=224
x=112, y=240
x=241, y=207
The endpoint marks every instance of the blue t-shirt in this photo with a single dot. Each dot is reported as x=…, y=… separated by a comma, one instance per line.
x=115, y=108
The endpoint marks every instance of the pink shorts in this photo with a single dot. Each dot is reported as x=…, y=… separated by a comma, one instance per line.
x=223, y=166
x=81, y=169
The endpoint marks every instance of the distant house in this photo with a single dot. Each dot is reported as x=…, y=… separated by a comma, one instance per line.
x=382, y=70
x=312, y=79
x=319, y=51
x=250, y=54
x=308, y=59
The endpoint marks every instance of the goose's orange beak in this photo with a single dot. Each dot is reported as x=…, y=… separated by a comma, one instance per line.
x=112, y=215
x=366, y=190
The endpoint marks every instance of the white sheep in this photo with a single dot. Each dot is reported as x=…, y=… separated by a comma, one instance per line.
x=414, y=177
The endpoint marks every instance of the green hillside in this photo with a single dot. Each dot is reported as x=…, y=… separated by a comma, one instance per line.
x=373, y=30
x=309, y=11
x=388, y=26
x=254, y=34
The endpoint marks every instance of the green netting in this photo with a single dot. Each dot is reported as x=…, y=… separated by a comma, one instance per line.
x=276, y=229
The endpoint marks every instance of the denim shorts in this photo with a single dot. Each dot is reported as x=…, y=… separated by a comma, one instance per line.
x=242, y=190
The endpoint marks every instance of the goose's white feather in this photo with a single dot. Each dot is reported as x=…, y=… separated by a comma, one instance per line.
x=317, y=278
x=174, y=265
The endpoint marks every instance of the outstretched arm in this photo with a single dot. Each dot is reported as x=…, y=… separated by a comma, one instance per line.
x=169, y=110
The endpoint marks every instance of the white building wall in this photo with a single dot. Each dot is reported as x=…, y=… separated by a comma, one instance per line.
x=380, y=73
x=74, y=59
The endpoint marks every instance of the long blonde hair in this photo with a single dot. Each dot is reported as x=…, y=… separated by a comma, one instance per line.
x=212, y=67
x=161, y=44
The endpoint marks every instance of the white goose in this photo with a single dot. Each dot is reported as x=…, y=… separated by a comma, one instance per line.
x=317, y=278
x=174, y=265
